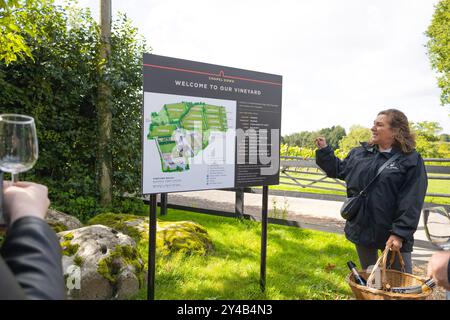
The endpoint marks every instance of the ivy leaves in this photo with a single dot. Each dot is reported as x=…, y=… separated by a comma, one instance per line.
x=59, y=89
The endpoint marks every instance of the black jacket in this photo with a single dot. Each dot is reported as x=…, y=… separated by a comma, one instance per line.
x=448, y=271
x=394, y=201
x=30, y=262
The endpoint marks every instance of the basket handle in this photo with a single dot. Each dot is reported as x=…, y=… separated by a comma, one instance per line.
x=381, y=264
x=400, y=258
x=375, y=268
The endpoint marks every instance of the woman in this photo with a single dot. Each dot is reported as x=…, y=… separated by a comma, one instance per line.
x=391, y=209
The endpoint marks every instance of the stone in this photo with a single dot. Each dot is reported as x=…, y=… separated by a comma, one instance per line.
x=60, y=221
x=127, y=284
x=183, y=236
x=172, y=236
x=106, y=262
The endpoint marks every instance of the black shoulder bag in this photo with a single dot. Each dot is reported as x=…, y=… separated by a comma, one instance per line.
x=351, y=205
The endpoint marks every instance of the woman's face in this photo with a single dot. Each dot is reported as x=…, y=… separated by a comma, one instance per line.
x=381, y=131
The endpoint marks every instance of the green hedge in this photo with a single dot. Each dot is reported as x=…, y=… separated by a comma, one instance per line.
x=59, y=89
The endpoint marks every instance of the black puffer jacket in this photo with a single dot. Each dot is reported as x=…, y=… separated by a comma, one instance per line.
x=30, y=262
x=394, y=201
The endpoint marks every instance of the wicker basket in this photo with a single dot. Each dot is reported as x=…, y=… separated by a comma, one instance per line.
x=390, y=278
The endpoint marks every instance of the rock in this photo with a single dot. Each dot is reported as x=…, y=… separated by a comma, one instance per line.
x=183, y=236
x=107, y=261
x=134, y=226
x=179, y=236
x=127, y=284
x=60, y=221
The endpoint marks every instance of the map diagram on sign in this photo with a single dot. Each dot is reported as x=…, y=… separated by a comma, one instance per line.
x=181, y=130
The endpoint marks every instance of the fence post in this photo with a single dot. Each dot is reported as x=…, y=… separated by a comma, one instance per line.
x=239, y=203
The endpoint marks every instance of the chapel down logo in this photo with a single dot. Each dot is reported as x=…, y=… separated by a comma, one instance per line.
x=392, y=166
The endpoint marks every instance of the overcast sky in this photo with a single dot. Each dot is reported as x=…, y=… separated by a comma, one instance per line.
x=341, y=61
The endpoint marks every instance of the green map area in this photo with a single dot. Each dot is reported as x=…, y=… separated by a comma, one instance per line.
x=182, y=130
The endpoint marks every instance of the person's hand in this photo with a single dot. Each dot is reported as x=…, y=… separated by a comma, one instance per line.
x=321, y=142
x=394, y=242
x=24, y=199
x=437, y=269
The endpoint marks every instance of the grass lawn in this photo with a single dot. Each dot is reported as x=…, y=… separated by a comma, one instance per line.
x=301, y=264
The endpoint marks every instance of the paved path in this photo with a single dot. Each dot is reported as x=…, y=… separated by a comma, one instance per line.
x=308, y=213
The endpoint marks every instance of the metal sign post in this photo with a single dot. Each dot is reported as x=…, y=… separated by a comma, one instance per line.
x=151, y=249
x=239, y=203
x=2, y=210
x=265, y=200
x=163, y=204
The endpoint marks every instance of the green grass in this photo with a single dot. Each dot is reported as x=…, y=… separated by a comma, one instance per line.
x=301, y=264
x=163, y=131
x=175, y=110
x=167, y=147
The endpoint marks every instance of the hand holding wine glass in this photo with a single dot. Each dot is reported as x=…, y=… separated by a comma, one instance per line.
x=18, y=146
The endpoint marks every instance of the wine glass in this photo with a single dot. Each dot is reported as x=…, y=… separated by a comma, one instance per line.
x=18, y=144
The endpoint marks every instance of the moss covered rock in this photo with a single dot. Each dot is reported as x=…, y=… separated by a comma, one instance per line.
x=183, y=236
x=128, y=224
x=109, y=263
x=60, y=221
x=179, y=236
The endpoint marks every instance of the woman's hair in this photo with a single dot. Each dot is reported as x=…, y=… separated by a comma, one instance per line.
x=403, y=137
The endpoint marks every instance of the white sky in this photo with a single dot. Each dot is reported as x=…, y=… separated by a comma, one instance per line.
x=341, y=61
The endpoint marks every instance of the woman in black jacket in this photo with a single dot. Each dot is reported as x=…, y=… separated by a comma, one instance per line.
x=391, y=209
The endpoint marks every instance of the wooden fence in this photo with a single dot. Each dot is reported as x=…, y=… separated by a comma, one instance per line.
x=304, y=173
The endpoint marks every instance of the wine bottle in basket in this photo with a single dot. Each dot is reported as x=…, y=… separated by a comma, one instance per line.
x=428, y=285
x=358, y=279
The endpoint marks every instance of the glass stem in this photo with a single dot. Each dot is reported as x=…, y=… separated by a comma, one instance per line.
x=14, y=177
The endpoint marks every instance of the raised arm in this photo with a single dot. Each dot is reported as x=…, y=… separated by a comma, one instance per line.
x=328, y=162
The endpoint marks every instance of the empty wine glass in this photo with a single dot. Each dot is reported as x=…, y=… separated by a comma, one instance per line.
x=18, y=144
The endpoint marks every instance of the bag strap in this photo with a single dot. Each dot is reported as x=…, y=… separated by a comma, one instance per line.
x=388, y=162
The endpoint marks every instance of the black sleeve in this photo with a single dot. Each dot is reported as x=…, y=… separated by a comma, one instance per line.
x=411, y=198
x=8, y=281
x=332, y=165
x=448, y=271
x=32, y=252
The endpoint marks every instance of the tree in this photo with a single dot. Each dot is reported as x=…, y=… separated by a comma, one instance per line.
x=445, y=137
x=104, y=113
x=439, y=47
x=17, y=23
x=304, y=139
x=60, y=89
x=333, y=135
x=426, y=129
x=356, y=135
x=427, y=139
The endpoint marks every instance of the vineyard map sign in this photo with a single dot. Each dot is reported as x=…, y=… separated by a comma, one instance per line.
x=208, y=127
x=181, y=130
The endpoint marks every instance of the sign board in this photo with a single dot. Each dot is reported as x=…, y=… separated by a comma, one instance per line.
x=208, y=127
